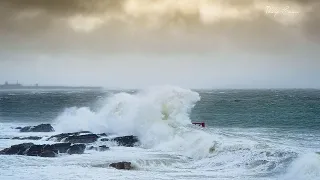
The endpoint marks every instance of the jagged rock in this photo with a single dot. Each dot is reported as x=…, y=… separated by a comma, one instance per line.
x=104, y=134
x=38, y=128
x=4, y=151
x=28, y=138
x=61, y=147
x=121, y=165
x=45, y=150
x=128, y=141
x=103, y=148
x=60, y=137
x=76, y=137
x=76, y=149
x=5, y=138
x=86, y=138
x=48, y=154
x=34, y=150
x=17, y=149
x=18, y=128
x=104, y=139
x=100, y=148
x=92, y=148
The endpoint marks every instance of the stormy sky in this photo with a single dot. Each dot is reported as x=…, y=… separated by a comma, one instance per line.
x=140, y=43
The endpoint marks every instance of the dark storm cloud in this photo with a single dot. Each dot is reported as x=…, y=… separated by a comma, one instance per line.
x=29, y=24
x=67, y=8
x=64, y=7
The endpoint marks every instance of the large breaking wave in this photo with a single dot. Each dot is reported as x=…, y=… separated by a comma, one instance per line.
x=159, y=116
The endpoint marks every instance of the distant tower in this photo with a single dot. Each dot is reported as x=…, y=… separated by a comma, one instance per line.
x=6, y=83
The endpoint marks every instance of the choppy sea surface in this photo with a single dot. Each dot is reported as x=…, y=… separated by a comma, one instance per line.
x=249, y=134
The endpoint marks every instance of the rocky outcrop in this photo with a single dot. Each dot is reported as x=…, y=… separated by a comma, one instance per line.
x=38, y=128
x=19, y=149
x=61, y=147
x=128, y=141
x=28, y=138
x=86, y=138
x=76, y=149
x=45, y=150
x=103, y=148
x=100, y=148
x=48, y=154
x=75, y=137
x=121, y=165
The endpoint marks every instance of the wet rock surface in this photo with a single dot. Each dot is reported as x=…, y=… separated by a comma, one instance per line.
x=44, y=150
x=121, y=165
x=76, y=136
x=71, y=143
x=128, y=141
x=87, y=137
x=76, y=149
x=28, y=138
x=100, y=148
x=38, y=128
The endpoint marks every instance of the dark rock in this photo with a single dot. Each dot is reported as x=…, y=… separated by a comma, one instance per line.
x=38, y=128
x=104, y=134
x=45, y=150
x=48, y=154
x=86, y=138
x=4, y=151
x=61, y=147
x=60, y=137
x=104, y=139
x=28, y=138
x=100, y=148
x=93, y=148
x=5, y=138
x=103, y=148
x=17, y=149
x=85, y=132
x=128, y=141
x=18, y=128
x=34, y=150
x=49, y=147
x=121, y=165
x=76, y=149
x=76, y=137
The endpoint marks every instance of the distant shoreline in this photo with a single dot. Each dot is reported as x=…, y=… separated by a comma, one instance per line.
x=49, y=87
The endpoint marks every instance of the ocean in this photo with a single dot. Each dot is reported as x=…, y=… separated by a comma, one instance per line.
x=249, y=134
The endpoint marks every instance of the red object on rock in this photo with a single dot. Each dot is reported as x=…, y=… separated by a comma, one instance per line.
x=202, y=124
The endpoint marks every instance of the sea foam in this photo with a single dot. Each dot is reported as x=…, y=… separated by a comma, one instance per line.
x=159, y=116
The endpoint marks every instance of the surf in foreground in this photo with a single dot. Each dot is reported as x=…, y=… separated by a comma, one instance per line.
x=168, y=145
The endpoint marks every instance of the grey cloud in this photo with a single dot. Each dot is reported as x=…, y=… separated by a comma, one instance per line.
x=50, y=30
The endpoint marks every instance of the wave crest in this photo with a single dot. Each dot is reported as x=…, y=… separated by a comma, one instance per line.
x=155, y=115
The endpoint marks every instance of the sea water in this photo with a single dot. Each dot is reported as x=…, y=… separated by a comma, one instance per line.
x=249, y=134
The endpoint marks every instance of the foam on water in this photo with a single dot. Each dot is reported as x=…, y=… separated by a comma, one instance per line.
x=159, y=116
x=306, y=167
x=171, y=147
